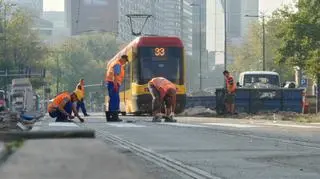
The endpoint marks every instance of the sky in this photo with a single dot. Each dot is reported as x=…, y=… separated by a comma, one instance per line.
x=266, y=6
x=53, y=5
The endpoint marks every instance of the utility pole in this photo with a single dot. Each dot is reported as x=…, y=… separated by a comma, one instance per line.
x=318, y=94
x=58, y=68
x=263, y=44
x=5, y=47
x=5, y=6
x=263, y=39
x=225, y=35
x=58, y=74
x=200, y=47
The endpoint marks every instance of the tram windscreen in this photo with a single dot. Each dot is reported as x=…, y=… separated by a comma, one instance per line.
x=161, y=62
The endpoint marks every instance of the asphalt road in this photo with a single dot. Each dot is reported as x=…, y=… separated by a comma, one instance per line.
x=217, y=151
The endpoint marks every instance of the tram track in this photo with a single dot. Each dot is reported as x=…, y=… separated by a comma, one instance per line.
x=170, y=164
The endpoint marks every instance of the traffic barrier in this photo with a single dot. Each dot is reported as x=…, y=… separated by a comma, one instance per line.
x=253, y=100
x=203, y=101
x=265, y=100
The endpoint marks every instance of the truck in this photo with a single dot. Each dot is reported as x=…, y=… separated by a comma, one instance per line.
x=21, y=95
x=2, y=100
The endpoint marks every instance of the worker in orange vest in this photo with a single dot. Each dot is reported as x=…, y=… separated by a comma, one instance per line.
x=162, y=91
x=230, y=96
x=80, y=103
x=62, y=106
x=113, y=79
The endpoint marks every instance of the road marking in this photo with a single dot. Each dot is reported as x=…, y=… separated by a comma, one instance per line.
x=36, y=126
x=183, y=125
x=125, y=125
x=293, y=125
x=62, y=124
x=95, y=117
x=171, y=164
x=203, y=125
x=231, y=125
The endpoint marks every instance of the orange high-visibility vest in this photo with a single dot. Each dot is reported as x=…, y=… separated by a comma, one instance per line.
x=58, y=100
x=111, y=76
x=162, y=85
x=231, y=85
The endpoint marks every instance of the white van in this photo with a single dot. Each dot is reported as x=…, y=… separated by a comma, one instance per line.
x=259, y=79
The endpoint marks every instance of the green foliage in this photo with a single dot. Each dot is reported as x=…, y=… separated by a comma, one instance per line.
x=20, y=45
x=80, y=57
x=300, y=37
x=248, y=56
x=14, y=145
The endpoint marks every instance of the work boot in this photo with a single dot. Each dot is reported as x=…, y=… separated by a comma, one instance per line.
x=156, y=119
x=81, y=120
x=108, y=116
x=115, y=117
x=169, y=119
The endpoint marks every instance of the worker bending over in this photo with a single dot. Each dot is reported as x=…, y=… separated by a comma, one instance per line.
x=113, y=79
x=162, y=91
x=62, y=106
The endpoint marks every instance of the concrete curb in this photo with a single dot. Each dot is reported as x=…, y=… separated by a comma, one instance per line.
x=10, y=136
x=4, y=154
x=266, y=123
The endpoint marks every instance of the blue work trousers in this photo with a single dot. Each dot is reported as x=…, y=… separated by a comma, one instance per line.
x=80, y=104
x=60, y=117
x=114, y=98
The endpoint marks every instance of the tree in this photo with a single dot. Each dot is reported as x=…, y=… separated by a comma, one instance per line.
x=248, y=55
x=300, y=37
x=100, y=45
x=80, y=57
x=21, y=45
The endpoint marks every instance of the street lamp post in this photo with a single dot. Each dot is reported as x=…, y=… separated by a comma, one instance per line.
x=200, y=45
x=263, y=39
x=225, y=34
x=5, y=40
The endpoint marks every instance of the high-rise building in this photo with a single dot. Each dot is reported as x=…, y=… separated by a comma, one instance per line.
x=136, y=7
x=187, y=25
x=165, y=20
x=91, y=15
x=168, y=12
x=237, y=23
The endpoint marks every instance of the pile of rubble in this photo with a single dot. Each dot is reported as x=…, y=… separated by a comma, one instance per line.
x=198, y=111
x=284, y=116
x=201, y=93
x=13, y=121
x=8, y=121
x=274, y=116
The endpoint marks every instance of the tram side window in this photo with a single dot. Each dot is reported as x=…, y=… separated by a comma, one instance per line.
x=135, y=71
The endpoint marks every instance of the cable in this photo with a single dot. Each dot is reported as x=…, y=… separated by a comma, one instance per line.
x=78, y=16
